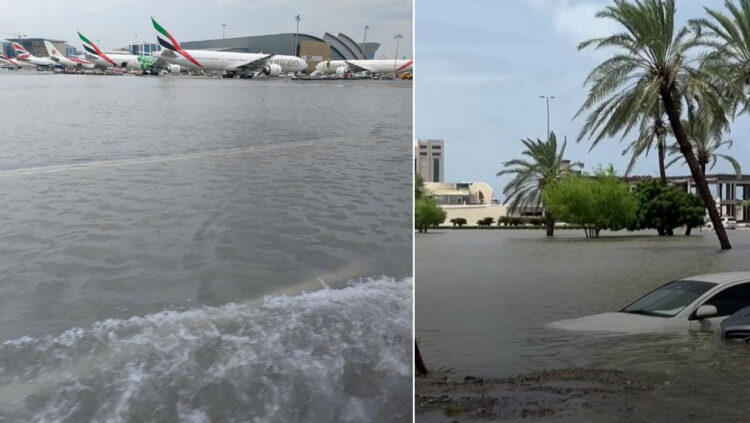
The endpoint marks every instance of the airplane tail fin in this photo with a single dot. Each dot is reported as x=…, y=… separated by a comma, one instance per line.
x=93, y=49
x=168, y=42
x=164, y=38
x=20, y=52
x=52, y=51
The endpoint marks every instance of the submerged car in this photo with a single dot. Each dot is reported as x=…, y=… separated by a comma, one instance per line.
x=699, y=302
x=737, y=326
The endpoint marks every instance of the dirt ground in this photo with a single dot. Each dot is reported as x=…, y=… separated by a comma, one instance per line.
x=569, y=395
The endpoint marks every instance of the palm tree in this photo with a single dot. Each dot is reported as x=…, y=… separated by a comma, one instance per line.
x=652, y=63
x=728, y=59
x=706, y=141
x=545, y=165
x=654, y=127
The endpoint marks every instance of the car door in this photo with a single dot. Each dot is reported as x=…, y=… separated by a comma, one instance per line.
x=726, y=301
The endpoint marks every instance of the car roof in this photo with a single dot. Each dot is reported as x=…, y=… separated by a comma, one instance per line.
x=720, y=278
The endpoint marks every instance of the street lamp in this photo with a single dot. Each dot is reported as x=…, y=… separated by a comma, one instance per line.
x=296, y=35
x=223, y=31
x=364, y=42
x=547, y=98
x=398, y=38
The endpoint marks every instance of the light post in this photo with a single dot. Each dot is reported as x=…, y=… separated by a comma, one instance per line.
x=364, y=42
x=547, y=98
x=296, y=35
x=398, y=38
x=223, y=31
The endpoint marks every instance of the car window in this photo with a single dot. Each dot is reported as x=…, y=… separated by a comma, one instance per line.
x=669, y=299
x=731, y=299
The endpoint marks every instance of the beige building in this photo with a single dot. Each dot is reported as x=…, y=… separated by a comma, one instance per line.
x=470, y=200
x=429, y=159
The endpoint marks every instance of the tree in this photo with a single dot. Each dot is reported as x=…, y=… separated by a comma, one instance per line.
x=653, y=127
x=427, y=213
x=487, y=221
x=419, y=189
x=653, y=62
x=705, y=141
x=599, y=202
x=458, y=221
x=666, y=207
x=545, y=165
x=728, y=56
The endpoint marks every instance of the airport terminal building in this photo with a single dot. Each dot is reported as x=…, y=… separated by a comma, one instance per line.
x=308, y=47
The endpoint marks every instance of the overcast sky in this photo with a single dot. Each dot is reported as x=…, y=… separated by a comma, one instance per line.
x=483, y=65
x=117, y=22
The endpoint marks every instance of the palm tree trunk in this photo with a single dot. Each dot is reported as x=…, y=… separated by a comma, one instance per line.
x=550, y=223
x=662, y=148
x=695, y=170
x=703, y=168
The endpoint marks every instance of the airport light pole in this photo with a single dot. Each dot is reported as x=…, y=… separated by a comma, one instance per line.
x=364, y=42
x=547, y=98
x=296, y=34
x=398, y=38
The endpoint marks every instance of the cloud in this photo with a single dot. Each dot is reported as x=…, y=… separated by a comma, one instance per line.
x=576, y=21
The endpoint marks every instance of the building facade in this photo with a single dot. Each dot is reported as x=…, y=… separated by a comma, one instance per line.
x=472, y=201
x=729, y=191
x=429, y=158
x=341, y=47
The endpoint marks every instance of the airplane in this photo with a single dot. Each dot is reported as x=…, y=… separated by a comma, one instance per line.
x=342, y=67
x=68, y=62
x=23, y=55
x=8, y=62
x=124, y=60
x=246, y=65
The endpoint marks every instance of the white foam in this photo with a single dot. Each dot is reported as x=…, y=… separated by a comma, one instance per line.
x=329, y=355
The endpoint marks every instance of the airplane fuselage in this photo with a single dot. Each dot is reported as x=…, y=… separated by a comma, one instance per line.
x=124, y=61
x=229, y=61
x=374, y=66
x=36, y=61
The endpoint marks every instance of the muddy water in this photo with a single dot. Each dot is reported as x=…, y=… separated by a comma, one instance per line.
x=483, y=299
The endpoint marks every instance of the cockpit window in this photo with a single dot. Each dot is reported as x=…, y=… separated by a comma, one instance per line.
x=669, y=299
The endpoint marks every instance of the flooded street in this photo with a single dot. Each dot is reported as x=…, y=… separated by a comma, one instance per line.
x=202, y=249
x=484, y=298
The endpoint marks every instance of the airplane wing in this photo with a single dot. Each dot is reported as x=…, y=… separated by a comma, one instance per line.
x=357, y=68
x=256, y=64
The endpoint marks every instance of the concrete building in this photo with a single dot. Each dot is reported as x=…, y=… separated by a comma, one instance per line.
x=729, y=191
x=469, y=200
x=142, y=48
x=429, y=157
x=309, y=47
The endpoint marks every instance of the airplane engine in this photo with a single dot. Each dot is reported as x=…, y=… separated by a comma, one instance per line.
x=272, y=70
x=174, y=69
x=342, y=71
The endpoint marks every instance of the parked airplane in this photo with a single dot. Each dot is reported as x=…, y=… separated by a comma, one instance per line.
x=124, y=60
x=68, y=62
x=341, y=67
x=242, y=64
x=8, y=62
x=23, y=55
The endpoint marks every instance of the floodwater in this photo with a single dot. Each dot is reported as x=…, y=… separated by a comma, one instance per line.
x=201, y=249
x=484, y=298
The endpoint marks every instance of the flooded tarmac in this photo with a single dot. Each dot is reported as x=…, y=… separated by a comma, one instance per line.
x=484, y=299
x=157, y=236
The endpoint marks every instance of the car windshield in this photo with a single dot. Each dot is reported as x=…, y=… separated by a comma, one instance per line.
x=670, y=299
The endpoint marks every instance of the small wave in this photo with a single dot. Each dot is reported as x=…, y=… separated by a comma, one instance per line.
x=330, y=355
